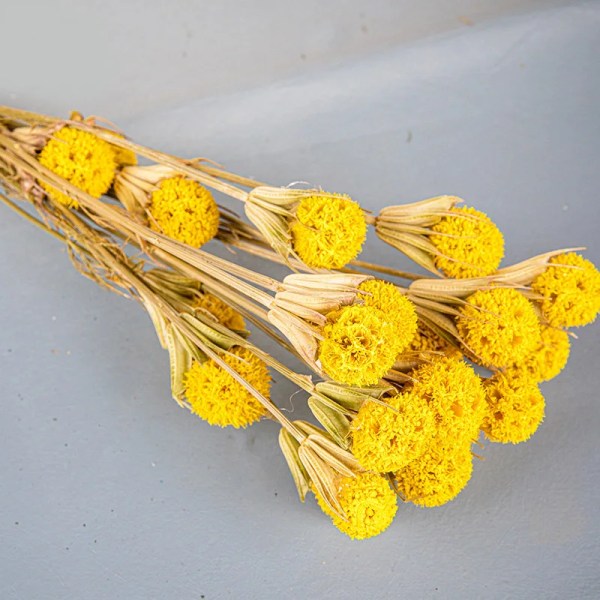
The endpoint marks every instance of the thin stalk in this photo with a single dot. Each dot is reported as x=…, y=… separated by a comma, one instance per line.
x=37, y=222
x=227, y=176
x=361, y=264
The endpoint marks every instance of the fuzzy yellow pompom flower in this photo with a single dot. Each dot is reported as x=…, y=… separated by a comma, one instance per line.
x=500, y=326
x=367, y=501
x=184, y=210
x=81, y=158
x=571, y=292
x=225, y=314
x=515, y=408
x=385, y=440
x=396, y=306
x=358, y=346
x=215, y=396
x=470, y=244
x=328, y=231
x=436, y=477
x=455, y=394
x=549, y=358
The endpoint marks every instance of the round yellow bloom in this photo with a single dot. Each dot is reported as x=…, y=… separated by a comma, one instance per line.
x=436, y=477
x=368, y=503
x=455, y=395
x=515, y=408
x=396, y=306
x=215, y=396
x=328, y=231
x=472, y=246
x=548, y=359
x=385, y=440
x=571, y=293
x=358, y=346
x=81, y=158
x=184, y=210
x=500, y=326
x=429, y=343
x=225, y=314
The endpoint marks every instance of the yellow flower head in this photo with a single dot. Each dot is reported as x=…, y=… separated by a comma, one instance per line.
x=184, y=210
x=571, y=293
x=215, y=396
x=396, y=306
x=429, y=343
x=386, y=440
x=500, y=326
x=329, y=230
x=437, y=477
x=515, y=408
x=358, y=346
x=81, y=158
x=471, y=245
x=455, y=395
x=548, y=359
x=368, y=503
x=225, y=314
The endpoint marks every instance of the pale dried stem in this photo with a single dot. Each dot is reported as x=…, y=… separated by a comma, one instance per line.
x=361, y=264
x=226, y=175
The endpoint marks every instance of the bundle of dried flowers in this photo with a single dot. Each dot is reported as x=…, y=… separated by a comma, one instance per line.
x=400, y=403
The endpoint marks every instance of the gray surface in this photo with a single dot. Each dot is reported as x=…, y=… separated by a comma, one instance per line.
x=109, y=490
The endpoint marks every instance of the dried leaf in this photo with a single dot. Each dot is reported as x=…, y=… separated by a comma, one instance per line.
x=180, y=363
x=289, y=447
x=323, y=478
x=333, y=420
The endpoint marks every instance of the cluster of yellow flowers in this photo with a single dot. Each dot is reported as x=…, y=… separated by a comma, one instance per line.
x=405, y=395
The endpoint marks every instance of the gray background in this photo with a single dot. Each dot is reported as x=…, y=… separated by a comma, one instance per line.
x=109, y=490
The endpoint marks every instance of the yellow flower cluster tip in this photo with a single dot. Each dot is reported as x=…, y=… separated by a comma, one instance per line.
x=223, y=312
x=368, y=503
x=386, y=439
x=471, y=245
x=571, y=292
x=436, y=477
x=455, y=394
x=548, y=359
x=328, y=231
x=515, y=408
x=184, y=210
x=81, y=158
x=358, y=346
x=215, y=396
x=395, y=305
x=500, y=326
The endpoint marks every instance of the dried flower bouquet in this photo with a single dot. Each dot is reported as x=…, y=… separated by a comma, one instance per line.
x=389, y=355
